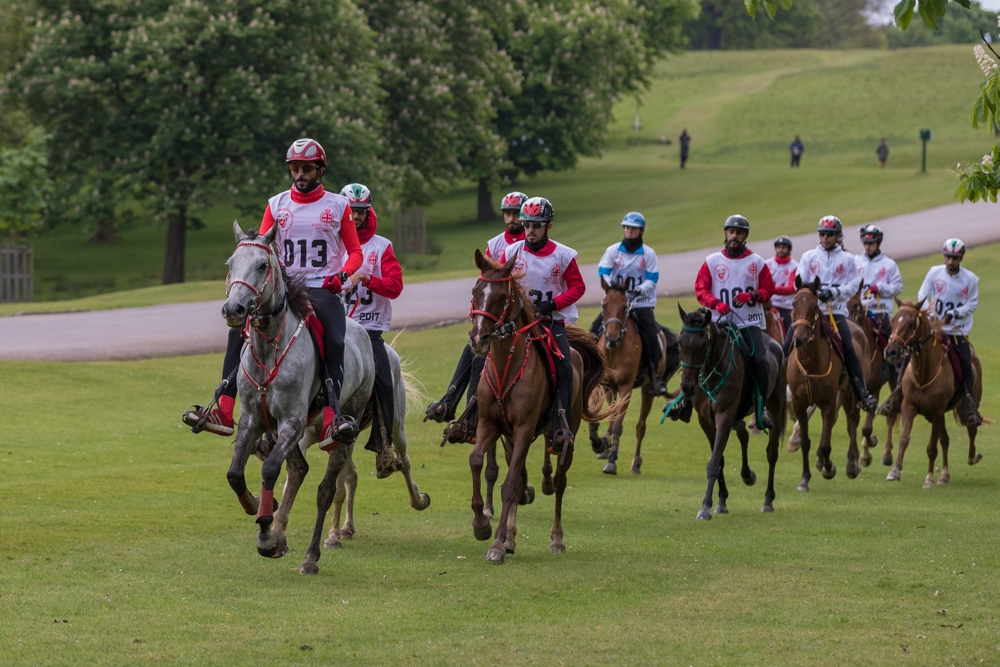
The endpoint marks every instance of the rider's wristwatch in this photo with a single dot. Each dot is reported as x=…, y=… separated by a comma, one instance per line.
x=344, y=277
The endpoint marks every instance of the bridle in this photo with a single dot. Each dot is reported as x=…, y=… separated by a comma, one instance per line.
x=255, y=318
x=909, y=345
x=620, y=322
x=812, y=324
x=502, y=329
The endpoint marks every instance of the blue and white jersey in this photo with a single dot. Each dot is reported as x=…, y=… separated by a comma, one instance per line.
x=638, y=270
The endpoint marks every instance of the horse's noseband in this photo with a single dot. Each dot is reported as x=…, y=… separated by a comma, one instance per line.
x=258, y=292
x=502, y=329
x=909, y=345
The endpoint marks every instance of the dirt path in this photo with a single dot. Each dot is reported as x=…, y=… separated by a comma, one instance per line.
x=198, y=328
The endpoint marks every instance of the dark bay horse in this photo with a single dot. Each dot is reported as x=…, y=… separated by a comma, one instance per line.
x=817, y=376
x=623, y=354
x=515, y=399
x=880, y=373
x=716, y=378
x=929, y=387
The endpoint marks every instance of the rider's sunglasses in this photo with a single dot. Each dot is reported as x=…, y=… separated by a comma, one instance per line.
x=828, y=233
x=304, y=167
x=533, y=225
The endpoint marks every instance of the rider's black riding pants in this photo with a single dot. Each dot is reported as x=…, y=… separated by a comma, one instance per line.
x=384, y=395
x=961, y=345
x=753, y=341
x=564, y=368
x=850, y=356
x=330, y=311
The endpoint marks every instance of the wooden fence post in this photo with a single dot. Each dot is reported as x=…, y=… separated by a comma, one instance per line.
x=409, y=231
x=17, y=268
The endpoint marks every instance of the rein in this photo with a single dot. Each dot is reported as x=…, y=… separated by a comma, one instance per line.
x=705, y=378
x=813, y=324
x=914, y=348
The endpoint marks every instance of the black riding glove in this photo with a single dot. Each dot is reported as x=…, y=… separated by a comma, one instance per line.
x=545, y=308
x=825, y=294
x=949, y=316
x=632, y=295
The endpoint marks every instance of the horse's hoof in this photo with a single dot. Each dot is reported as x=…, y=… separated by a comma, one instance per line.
x=282, y=547
x=425, y=502
x=347, y=532
x=973, y=460
x=309, y=568
x=767, y=509
x=721, y=509
x=603, y=455
x=829, y=473
x=610, y=469
x=929, y=482
x=944, y=479
x=803, y=486
x=548, y=488
x=853, y=469
x=887, y=460
x=866, y=459
x=528, y=496
x=893, y=475
x=704, y=514
x=482, y=532
x=332, y=544
x=636, y=470
x=268, y=551
x=750, y=479
x=509, y=549
x=597, y=445
x=495, y=555
x=488, y=511
x=557, y=548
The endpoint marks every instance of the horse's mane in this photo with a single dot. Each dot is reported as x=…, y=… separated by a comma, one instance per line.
x=618, y=285
x=515, y=288
x=296, y=290
x=936, y=325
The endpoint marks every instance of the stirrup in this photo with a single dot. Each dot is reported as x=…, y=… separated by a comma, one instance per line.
x=206, y=418
x=562, y=436
x=463, y=429
x=681, y=410
x=438, y=410
x=766, y=421
x=343, y=431
x=894, y=403
x=970, y=411
x=387, y=462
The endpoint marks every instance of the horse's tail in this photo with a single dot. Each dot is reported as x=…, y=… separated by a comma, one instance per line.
x=416, y=394
x=594, y=372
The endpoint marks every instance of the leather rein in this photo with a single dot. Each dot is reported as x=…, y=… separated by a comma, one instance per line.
x=909, y=345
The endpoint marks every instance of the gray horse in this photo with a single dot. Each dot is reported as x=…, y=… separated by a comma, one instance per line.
x=278, y=382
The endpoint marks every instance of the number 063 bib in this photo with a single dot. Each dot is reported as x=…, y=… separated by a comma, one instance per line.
x=732, y=276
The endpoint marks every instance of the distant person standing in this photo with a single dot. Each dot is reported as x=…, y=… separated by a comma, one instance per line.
x=796, y=150
x=883, y=154
x=685, y=140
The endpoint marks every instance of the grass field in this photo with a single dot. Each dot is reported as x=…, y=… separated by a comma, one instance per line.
x=125, y=545
x=742, y=110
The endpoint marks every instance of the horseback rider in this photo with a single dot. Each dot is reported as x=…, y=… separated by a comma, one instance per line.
x=952, y=293
x=736, y=282
x=319, y=244
x=880, y=276
x=839, y=280
x=470, y=365
x=369, y=303
x=551, y=277
x=633, y=263
x=782, y=267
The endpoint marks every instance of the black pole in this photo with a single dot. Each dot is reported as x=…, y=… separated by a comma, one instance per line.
x=923, y=159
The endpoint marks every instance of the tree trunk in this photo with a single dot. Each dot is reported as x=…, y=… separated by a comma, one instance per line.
x=486, y=211
x=173, y=265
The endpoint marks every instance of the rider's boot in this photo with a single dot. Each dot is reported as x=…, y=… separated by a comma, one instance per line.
x=463, y=429
x=218, y=420
x=868, y=402
x=970, y=412
x=681, y=410
x=338, y=428
x=443, y=410
x=894, y=403
x=656, y=384
x=562, y=435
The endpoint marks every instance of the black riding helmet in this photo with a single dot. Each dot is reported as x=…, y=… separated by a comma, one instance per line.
x=737, y=222
x=783, y=240
x=537, y=209
x=871, y=233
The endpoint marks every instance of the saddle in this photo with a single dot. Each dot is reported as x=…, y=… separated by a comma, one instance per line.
x=316, y=329
x=956, y=363
x=882, y=328
x=833, y=336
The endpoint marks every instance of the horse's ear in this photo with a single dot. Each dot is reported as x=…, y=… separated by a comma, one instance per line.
x=509, y=266
x=861, y=286
x=681, y=310
x=269, y=237
x=604, y=284
x=480, y=260
x=898, y=302
x=815, y=284
x=920, y=304
x=798, y=281
x=237, y=231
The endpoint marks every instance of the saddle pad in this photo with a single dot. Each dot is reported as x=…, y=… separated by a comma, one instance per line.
x=882, y=328
x=546, y=344
x=956, y=363
x=316, y=329
x=833, y=335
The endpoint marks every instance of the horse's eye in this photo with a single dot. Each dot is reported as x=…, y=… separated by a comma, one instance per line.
x=262, y=267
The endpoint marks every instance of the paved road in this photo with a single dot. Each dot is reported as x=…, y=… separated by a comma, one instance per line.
x=196, y=328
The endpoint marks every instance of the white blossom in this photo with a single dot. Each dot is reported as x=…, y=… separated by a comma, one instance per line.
x=988, y=65
x=988, y=161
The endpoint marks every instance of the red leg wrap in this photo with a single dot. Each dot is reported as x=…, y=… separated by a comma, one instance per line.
x=332, y=446
x=246, y=500
x=266, y=503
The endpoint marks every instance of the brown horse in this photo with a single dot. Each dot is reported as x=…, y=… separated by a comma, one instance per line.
x=879, y=374
x=718, y=382
x=817, y=376
x=515, y=397
x=623, y=351
x=929, y=387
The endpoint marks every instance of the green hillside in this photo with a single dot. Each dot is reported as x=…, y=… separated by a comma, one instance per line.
x=742, y=110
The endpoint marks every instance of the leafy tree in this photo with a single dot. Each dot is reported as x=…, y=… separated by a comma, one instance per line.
x=24, y=186
x=170, y=103
x=958, y=26
x=15, y=38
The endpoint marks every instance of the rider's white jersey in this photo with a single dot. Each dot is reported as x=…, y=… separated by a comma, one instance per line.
x=729, y=278
x=782, y=273
x=309, y=235
x=496, y=246
x=639, y=271
x=884, y=274
x=944, y=292
x=544, y=275
x=836, y=269
x=373, y=311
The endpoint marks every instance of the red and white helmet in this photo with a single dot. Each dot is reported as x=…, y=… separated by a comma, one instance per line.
x=512, y=201
x=306, y=150
x=358, y=196
x=954, y=248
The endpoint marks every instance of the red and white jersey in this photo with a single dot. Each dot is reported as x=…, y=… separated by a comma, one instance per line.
x=945, y=292
x=782, y=275
x=552, y=273
x=732, y=276
x=836, y=270
x=884, y=274
x=496, y=246
x=373, y=311
x=309, y=233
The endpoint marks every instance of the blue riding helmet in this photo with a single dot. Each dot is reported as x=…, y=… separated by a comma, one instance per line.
x=634, y=219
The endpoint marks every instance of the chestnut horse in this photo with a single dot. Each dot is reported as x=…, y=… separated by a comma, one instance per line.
x=718, y=382
x=817, y=376
x=929, y=387
x=623, y=352
x=880, y=373
x=515, y=398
